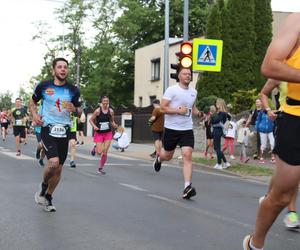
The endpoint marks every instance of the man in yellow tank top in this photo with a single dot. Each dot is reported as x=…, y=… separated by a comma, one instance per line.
x=282, y=62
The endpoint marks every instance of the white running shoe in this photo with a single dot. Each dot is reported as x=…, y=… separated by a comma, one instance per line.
x=49, y=206
x=291, y=220
x=218, y=166
x=232, y=157
x=226, y=165
x=40, y=200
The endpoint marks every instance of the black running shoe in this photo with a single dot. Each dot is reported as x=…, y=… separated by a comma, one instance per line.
x=72, y=164
x=157, y=164
x=93, y=152
x=188, y=192
x=101, y=171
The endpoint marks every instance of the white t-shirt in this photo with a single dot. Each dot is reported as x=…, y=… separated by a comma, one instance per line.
x=123, y=140
x=231, y=130
x=180, y=97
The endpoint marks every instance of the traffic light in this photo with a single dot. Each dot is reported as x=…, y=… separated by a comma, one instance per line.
x=186, y=59
x=176, y=67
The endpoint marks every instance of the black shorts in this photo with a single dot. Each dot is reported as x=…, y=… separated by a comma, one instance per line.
x=38, y=136
x=80, y=126
x=72, y=136
x=54, y=147
x=157, y=135
x=172, y=138
x=19, y=131
x=4, y=125
x=287, y=138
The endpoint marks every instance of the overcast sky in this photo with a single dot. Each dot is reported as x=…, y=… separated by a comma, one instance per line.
x=22, y=58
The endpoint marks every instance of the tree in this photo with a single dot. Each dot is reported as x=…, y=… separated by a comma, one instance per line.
x=6, y=100
x=263, y=29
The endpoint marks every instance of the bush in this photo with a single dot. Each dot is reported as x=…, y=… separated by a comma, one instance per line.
x=204, y=103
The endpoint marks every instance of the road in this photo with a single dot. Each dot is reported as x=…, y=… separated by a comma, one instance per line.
x=131, y=207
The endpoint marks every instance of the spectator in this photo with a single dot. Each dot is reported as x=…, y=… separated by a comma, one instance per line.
x=251, y=122
x=208, y=132
x=229, y=138
x=122, y=140
x=243, y=133
x=264, y=126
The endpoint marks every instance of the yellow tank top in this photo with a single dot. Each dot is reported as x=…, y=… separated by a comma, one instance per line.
x=293, y=89
x=283, y=93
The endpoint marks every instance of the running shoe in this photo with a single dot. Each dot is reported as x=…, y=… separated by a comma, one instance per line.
x=41, y=162
x=40, y=200
x=101, y=171
x=72, y=164
x=157, y=164
x=226, y=165
x=232, y=157
x=93, y=152
x=218, y=166
x=246, y=242
x=18, y=153
x=48, y=205
x=291, y=220
x=188, y=192
x=153, y=155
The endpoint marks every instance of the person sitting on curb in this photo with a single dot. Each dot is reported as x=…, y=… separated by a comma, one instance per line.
x=122, y=140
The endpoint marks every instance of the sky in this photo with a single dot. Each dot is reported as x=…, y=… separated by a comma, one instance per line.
x=22, y=58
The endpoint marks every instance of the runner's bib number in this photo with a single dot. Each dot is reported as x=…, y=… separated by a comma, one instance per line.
x=58, y=131
x=104, y=126
x=19, y=122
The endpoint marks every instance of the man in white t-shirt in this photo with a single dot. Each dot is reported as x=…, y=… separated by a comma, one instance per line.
x=178, y=105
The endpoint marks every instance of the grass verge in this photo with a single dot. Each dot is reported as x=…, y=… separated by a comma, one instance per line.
x=242, y=169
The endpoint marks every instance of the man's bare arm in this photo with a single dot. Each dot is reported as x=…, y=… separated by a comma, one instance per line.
x=280, y=49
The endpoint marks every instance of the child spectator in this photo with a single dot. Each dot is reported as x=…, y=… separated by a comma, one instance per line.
x=243, y=133
x=229, y=138
x=122, y=140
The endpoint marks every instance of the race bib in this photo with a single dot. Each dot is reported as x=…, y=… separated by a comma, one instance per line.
x=58, y=131
x=19, y=122
x=104, y=126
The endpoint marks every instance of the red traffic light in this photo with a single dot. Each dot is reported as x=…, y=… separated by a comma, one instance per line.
x=186, y=50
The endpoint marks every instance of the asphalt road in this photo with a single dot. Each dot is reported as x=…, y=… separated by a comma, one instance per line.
x=131, y=207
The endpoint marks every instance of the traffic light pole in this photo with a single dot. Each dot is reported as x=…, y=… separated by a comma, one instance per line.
x=186, y=21
x=166, y=49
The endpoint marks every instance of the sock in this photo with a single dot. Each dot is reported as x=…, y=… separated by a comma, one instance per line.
x=103, y=160
x=253, y=247
x=48, y=197
x=186, y=184
x=44, y=189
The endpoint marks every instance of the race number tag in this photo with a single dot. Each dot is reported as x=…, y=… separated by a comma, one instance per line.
x=104, y=126
x=58, y=131
x=19, y=122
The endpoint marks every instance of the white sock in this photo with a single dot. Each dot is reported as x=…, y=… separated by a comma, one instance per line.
x=186, y=184
x=253, y=247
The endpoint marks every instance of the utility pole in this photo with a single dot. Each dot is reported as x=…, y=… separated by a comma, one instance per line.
x=186, y=21
x=166, y=48
x=78, y=64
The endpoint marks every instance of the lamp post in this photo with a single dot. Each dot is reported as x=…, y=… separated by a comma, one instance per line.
x=166, y=48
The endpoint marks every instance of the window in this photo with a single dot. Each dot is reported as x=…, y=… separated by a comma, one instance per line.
x=155, y=69
x=152, y=98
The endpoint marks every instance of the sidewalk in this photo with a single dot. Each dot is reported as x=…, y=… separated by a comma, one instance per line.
x=143, y=151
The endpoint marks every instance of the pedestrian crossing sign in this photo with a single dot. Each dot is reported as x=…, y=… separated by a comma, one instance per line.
x=207, y=54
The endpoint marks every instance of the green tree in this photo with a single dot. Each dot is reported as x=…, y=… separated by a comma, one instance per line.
x=263, y=29
x=6, y=100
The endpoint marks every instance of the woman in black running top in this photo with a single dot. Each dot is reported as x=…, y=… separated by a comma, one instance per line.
x=102, y=121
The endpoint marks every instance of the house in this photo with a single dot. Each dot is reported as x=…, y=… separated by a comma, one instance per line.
x=149, y=66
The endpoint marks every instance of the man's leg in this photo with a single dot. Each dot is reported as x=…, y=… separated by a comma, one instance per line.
x=18, y=145
x=187, y=163
x=72, y=153
x=285, y=180
x=52, y=174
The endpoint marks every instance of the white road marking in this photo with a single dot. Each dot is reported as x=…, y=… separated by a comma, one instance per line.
x=133, y=187
x=13, y=155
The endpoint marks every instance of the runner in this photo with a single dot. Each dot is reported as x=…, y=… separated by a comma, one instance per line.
x=282, y=63
x=291, y=219
x=40, y=152
x=4, y=123
x=73, y=140
x=178, y=105
x=59, y=99
x=102, y=121
x=19, y=117
x=80, y=128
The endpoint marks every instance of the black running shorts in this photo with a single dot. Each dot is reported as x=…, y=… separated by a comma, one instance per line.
x=54, y=147
x=72, y=136
x=172, y=138
x=157, y=135
x=19, y=131
x=287, y=138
